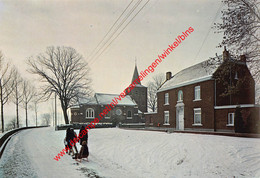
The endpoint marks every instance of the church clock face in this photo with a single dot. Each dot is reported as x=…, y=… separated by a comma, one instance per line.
x=118, y=112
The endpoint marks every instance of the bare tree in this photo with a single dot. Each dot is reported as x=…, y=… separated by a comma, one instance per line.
x=153, y=87
x=37, y=98
x=64, y=73
x=28, y=94
x=241, y=28
x=46, y=119
x=17, y=93
x=6, y=85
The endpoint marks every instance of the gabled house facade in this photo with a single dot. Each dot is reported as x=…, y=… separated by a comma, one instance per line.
x=196, y=99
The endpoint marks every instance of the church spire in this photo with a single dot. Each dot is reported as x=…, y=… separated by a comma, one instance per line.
x=135, y=75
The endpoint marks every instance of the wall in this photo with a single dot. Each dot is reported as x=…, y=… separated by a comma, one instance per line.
x=206, y=104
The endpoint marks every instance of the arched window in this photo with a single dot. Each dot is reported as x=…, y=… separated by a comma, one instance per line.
x=129, y=114
x=180, y=95
x=90, y=113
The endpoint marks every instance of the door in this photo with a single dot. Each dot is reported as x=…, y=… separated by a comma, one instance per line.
x=180, y=118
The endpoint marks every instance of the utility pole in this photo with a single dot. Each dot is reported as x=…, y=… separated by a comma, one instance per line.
x=55, y=108
x=35, y=105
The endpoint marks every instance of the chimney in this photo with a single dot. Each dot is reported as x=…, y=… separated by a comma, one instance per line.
x=225, y=54
x=243, y=58
x=168, y=75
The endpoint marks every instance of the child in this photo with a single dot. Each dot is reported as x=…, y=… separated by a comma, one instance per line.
x=67, y=141
x=83, y=152
x=66, y=144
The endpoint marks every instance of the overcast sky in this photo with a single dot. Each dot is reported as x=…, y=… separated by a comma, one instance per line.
x=28, y=27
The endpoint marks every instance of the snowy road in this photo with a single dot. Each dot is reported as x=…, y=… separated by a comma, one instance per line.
x=126, y=153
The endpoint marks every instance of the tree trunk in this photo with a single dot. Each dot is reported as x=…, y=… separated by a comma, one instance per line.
x=65, y=115
x=2, y=116
x=2, y=111
x=26, y=115
x=64, y=109
x=17, y=113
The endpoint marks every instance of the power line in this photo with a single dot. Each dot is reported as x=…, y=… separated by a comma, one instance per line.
x=124, y=27
x=217, y=13
x=111, y=28
x=116, y=29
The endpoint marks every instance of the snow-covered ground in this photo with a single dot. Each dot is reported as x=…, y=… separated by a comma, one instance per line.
x=128, y=153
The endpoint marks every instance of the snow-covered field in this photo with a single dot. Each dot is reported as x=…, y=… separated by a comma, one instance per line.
x=128, y=153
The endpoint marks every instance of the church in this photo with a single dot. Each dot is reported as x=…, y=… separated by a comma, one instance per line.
x=129, y=110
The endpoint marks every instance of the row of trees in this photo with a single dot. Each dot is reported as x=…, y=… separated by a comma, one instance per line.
x=15, y=89
x=62, y=71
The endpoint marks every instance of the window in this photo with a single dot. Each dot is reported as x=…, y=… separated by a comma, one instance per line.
x=197, y=116
x=90, y=113
x=166, y=98
x=119, y=112
x=197, y=93
x=129, y=115
x=166, y=117
x=180, y=95
x=231, y=117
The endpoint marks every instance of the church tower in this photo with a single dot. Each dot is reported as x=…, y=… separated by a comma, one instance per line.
x=139, y=93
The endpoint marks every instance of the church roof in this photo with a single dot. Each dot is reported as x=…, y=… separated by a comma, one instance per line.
x=91, y=101
x=197, y=73
x=135, y=75
x=87, y=101
x=105, y=99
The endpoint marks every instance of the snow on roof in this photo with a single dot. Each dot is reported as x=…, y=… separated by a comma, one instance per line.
x=105, y=99
x=139, y=85
x=196, y=73
x=91, y=100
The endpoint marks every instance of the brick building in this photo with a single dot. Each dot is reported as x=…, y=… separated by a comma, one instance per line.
x=130, y=109
x=194, y=98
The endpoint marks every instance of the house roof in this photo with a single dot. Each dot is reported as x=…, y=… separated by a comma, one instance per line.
x=105, y=99
x=197, y=73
